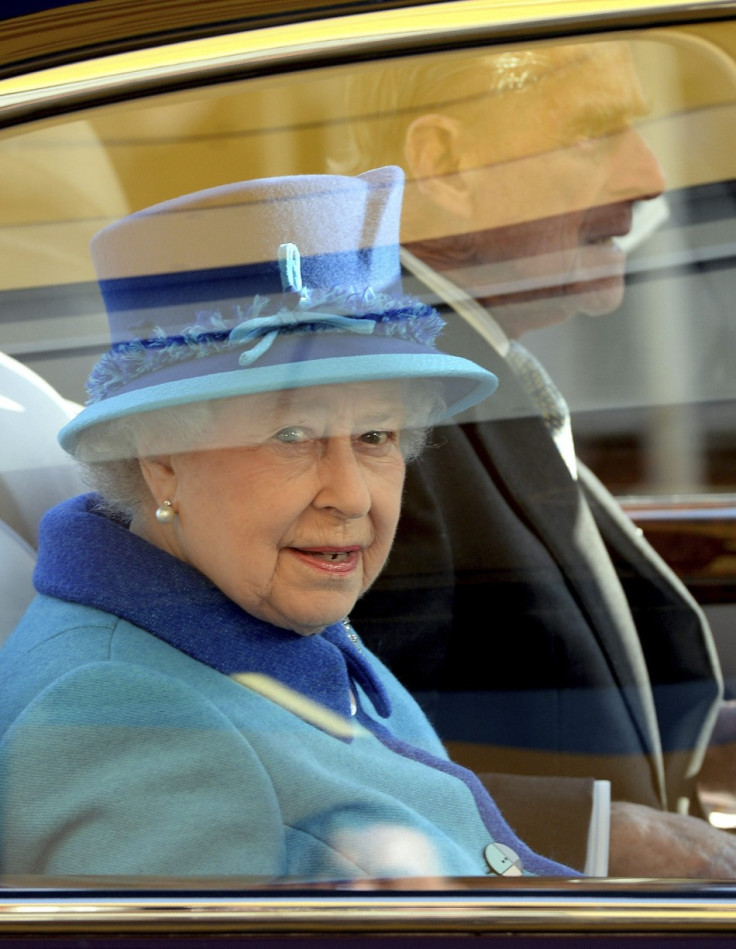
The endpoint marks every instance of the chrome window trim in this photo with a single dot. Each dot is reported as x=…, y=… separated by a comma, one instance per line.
x=593, y=907
x=219, y=58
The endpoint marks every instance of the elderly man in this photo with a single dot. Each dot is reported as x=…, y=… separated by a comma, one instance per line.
x=544, y=635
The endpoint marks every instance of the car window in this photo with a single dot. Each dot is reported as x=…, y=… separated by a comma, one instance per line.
x=558, y=605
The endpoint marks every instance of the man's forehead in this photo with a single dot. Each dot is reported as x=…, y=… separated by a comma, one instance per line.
x=576, y=91
x=518, y=69
x=574, y=70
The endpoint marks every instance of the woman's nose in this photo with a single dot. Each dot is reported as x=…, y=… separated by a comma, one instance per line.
x=342, y=480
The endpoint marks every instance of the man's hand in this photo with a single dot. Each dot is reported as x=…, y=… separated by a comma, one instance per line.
x=650, y=843
x=718, y=772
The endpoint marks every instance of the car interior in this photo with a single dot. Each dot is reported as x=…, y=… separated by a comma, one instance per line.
x=649, y=381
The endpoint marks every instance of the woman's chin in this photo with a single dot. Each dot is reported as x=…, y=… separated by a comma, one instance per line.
x=310, y=630
x=311, y=622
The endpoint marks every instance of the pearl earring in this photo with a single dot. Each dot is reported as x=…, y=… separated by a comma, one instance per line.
x=165, y=514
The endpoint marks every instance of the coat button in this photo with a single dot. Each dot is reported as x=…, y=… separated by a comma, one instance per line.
x=502, y=860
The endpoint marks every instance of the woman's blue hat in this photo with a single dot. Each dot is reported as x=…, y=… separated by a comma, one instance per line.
x=258, y=286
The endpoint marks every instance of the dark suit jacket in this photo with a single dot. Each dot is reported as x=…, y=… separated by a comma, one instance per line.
x=539, y=630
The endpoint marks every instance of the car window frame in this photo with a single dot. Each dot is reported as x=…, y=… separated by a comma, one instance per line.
x=579, y=907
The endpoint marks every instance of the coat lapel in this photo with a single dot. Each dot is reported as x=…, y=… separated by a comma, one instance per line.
x=583, y=529
x=536, y=479
x=675, y=637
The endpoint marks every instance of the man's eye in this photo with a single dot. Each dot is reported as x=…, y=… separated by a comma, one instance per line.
x=293, y=434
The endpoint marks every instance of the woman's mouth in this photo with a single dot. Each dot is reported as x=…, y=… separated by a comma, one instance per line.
x=331, y=559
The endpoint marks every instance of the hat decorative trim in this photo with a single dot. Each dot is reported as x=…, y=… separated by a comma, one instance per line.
x=300, y=310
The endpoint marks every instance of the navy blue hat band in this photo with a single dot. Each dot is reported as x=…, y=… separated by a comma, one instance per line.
x=126, y=297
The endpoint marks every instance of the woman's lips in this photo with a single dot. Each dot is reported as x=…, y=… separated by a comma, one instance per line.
x=334, y=560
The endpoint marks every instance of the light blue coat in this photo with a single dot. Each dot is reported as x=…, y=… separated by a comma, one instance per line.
x=121, y=753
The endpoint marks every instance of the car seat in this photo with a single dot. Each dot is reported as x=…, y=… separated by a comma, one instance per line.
x=35, y=474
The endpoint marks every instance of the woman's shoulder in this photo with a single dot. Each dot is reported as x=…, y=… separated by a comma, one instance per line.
x=64, y=652
x=64, y=634
x=54, y=629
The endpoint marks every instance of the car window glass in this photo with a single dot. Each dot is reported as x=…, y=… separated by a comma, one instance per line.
x=568, y=209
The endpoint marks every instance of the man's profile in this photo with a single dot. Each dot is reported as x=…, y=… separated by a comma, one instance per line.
x=551, y=640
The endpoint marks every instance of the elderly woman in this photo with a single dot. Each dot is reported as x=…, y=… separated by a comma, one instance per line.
x=186, y=694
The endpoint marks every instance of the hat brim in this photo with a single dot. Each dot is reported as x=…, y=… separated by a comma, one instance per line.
x=466, y=384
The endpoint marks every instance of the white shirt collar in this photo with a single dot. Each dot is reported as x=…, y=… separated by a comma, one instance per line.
x=472, y=312
x=483, y=323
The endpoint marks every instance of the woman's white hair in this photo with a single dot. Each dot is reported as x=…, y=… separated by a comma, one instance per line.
x=110, y=452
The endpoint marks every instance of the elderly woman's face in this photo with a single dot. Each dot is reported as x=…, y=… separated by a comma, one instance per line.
x=291, y=507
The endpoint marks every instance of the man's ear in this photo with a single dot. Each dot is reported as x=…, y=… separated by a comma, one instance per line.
x=160, y=475
x=434, y=155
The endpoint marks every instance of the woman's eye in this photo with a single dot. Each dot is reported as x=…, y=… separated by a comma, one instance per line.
x=292, y=435
x=377, y=438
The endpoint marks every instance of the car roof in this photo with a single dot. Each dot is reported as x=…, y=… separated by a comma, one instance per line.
x=40, y=33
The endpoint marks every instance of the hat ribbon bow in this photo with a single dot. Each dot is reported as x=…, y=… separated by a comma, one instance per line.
x=267, y=328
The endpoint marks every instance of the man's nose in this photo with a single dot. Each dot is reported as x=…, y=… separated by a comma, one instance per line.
x=342, y=480
x=636, y=173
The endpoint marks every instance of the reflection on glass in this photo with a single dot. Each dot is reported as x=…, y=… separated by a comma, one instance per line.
x=526, y=170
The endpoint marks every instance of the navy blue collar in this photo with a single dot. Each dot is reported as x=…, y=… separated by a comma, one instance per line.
x=86, y=557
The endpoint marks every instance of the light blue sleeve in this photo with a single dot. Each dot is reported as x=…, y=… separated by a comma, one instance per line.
x=118, y=769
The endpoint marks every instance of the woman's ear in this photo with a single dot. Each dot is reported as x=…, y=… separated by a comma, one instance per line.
x=434, y=148
x=160, y=476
